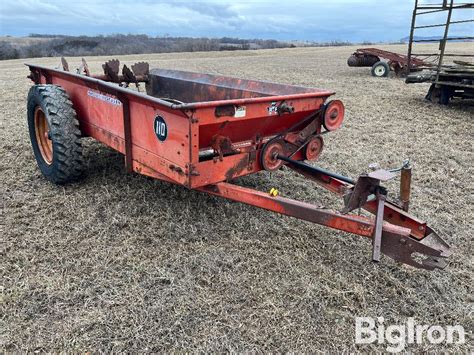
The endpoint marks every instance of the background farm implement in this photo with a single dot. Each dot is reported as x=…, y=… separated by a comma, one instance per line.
x=399, y=63
x=454, y=79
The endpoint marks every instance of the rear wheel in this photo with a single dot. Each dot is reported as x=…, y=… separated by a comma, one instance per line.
x=433, y=94
x=54, y=134
x=446, y=92
x=380, y=69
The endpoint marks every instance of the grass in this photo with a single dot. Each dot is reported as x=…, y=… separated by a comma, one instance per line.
x=124, y=263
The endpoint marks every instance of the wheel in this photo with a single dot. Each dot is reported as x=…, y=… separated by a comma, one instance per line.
x=365, y=60
x=314, y=148
x=54, y=134
x=380, y=69
x=445, y=95
x=433, y=94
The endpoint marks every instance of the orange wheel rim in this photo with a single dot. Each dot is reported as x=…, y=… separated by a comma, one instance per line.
x=43, y=137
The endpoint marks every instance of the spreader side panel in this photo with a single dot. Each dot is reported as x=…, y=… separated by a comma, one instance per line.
x=159, y=135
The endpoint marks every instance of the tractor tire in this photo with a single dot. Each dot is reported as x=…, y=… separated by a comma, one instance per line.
x=433, y=94
x=380, y=69
x=446, y=92
x=54, y=134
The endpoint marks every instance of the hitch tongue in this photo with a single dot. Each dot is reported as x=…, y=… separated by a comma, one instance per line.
x=394, y=232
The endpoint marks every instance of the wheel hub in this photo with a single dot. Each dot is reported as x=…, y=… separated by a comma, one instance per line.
x=380, y=71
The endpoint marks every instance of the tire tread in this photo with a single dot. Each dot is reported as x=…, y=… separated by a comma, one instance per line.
x=67, y=165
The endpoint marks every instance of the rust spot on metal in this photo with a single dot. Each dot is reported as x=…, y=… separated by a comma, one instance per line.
x=223, y=124
x=226, y=110
x=176, y=169
x=283, y=107
x=222, y=146
x=237, y=168
x=192, y=171
x=252, y=159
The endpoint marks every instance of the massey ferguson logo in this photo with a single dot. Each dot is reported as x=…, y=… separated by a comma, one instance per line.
x=105, y=98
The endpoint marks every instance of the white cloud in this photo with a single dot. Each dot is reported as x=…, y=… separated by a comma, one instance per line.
x=281, y=19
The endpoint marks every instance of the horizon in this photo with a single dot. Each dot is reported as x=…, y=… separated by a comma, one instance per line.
x=58, y=35
x=354, y=21
x=403, y=40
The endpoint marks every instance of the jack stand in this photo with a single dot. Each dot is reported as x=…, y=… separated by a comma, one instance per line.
x=377, y=238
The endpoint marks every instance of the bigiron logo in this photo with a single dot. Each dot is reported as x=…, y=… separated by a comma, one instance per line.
x=370, y=330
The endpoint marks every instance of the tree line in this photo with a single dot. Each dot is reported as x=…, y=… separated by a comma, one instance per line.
x=119, y=44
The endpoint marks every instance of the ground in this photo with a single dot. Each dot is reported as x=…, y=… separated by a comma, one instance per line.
x=122, y=262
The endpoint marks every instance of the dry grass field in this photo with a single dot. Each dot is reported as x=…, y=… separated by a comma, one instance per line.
x=122, y=262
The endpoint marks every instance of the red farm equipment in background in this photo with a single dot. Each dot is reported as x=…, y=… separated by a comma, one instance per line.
x=398, y=63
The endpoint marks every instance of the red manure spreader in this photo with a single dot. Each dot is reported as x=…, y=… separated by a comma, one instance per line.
x=203, y=131
x=398, y=63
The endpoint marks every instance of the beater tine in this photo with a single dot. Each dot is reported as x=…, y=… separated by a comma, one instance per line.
x=141, y=68
x=128, y=75
x=64, y=64
x=85, y=67
x=111, y=69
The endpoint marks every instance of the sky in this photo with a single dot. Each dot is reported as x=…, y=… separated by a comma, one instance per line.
x=307, y=20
